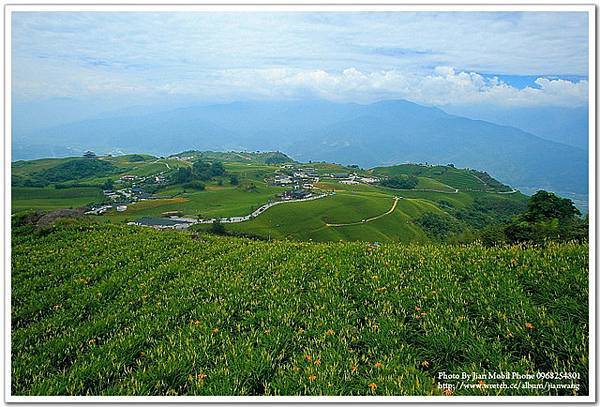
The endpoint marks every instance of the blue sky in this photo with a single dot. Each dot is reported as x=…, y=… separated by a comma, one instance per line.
x=515, y=59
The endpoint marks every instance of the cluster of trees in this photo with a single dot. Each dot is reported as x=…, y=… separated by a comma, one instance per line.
x=71, y=170
x=277, y=159
x=547, y=217
x=400, y=182
x=200, y=171
x=136, y=158
x=439, y=227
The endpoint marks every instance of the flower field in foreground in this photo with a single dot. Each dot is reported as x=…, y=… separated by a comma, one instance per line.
x=115, y=310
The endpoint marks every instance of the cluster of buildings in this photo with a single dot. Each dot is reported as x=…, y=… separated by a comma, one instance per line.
x=135, y=180
x=352, y=179
x=99, y=210
x=295, y=194
x=127, y=195
x=298, y=179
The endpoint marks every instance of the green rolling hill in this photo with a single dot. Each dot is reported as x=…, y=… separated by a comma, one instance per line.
x=464, y=199
x=359, y=291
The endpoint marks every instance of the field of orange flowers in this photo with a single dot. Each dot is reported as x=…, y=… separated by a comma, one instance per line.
x=116, y=310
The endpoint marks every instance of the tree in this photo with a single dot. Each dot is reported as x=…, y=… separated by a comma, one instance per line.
x=217, y=169
x=401, y=182
x=197, y=185
x=545, y=205
x=201, y=170
x=548, y=217
x=183, y=175
x=234, y=179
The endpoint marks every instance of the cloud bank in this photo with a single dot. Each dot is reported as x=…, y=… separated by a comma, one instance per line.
x=444, y=86
x=432, y=58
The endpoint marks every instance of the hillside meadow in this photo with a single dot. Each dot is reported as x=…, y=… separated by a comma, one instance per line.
x=105, y=309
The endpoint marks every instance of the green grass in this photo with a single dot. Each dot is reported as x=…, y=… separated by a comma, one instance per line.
x=453, y=177
x=116, y=310
x=216, y=201
x=50, y=198
x=308, y=220
x=33, y=166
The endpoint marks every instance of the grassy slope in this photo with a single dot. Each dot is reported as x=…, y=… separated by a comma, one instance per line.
x=453, y=177
x=351, y=203
x=50, y=198
x=216, y=201
x=307, y=220
x=300, y=221
x=127, y=310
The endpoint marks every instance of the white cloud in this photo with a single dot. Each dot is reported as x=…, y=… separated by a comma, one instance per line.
x=444, y=86
x=433, y=58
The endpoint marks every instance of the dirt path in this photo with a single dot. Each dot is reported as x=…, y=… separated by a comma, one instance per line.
x=335, y=225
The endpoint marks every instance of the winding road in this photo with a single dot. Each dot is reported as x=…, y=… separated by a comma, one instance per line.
x=238, y=219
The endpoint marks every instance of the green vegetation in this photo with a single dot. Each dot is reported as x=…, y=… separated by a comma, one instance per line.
x=118, y=310
x=548, y=217
x=232, y=156
x=66, y=170
x=438, y=227
x=214, y=201
x=77, y=169
x=400, y=182
x=136, y=158
x=101, y=308
x=436, y=203
x=49, y=198
x=463, y=179
x=308, y=220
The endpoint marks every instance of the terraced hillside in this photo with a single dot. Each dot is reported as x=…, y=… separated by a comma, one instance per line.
x=102, y=309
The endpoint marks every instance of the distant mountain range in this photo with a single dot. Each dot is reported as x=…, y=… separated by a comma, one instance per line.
x=561, y=124
x=382, y=133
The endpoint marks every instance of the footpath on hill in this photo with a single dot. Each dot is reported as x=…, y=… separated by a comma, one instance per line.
x=396, y=199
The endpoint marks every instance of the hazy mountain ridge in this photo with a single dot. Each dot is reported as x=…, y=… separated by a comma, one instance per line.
x=381, y=133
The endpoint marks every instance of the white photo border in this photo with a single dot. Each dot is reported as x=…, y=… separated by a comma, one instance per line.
x=294, y=6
